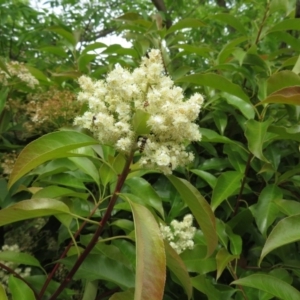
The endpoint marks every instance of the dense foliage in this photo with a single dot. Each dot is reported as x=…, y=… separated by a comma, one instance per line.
x=139, y=219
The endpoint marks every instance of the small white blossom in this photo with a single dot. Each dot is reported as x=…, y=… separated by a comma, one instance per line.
x=179, y=234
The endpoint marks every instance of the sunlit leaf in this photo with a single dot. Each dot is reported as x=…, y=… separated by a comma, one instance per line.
x=227, y=185
x=19, y=289
x=47, y=147
x=3, y=294
x=151, y=259
x=285, y=232
x=270, y=284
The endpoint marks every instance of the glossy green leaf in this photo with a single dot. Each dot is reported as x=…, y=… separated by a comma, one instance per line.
x=288, y=207
x=185, y=23
x=127, y=295
x=289, y=95
x=142, y=188
x=244, y=107
x=58, y=192
x=270, y=284
x=19, y=289
x=287, y=24
x=256, y=134
x=86, y=165
x=206, y=287
x=196, y=261
x=28, y=209
x=211, y=136
x=139, y=122
x=177, y=267
x=281, y=80
x=19, y=258
x=200, y=209
x=285, y=232
x=218, y=82
x=96, y=266
x=223, y=258
x=227, y=185
x=47, y=147
x=3, y=294
x=151, y=259
x=266, y=210
x=206, y=176
x=286, y=133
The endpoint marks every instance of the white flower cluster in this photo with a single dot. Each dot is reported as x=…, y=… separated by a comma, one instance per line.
x=19, y=70
x=4, y=275
x=179, y=234
x=114, y=103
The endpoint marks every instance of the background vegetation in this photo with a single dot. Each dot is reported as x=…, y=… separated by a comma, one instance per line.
x=242, y=188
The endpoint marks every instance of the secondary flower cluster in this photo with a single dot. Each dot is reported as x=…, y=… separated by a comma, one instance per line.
x=113, y=104
x=4, y=275
x=17, y=69
x=179, y=234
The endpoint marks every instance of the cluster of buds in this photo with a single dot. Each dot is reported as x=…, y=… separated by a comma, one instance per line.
x=119, y=105
x=179, y=234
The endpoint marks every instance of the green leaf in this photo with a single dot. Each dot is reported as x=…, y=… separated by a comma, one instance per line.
x=127, y=295
x=285, y=232
x=86, y=165
x=289, y=95
x=218, y=82
x=55, y=50
x=266, y=210
x=20, y=258
x=139, y=122
x=205, y=286
x=90, y=290
x=37, y=74
x=281, y=80
x=47, y=147
x=93, y=46
x=227, y=185
x=223, y=258
x=244, y=107
x=269, y=284
x=178, y=268
x=286, y=133
x=200, y=209
x=256, y=134
x=64, y=33
x=58, y=192
x=208, y=177
x=84, y=60
x=288, y=207
x=231, y=20
x=19, y=289
x=28, y=209
x=288, y=24
x=141, y=188
x=3, y=294
x=185, y=23
x=151, y=259
x=96, y=266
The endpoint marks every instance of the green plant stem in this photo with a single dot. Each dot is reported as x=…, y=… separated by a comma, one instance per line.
x=102, y=223
x=237, y=205
x=11, y=271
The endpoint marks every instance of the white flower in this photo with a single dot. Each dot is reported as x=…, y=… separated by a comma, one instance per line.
x=179, y=234
x=113, y=103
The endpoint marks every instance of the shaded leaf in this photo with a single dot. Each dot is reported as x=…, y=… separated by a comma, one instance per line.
x=223, y=258
x=206, y=287
x=127, y=295
x=19, y=258
x=3, y=295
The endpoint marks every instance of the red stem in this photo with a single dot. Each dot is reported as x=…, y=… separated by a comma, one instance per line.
x=102, y=223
